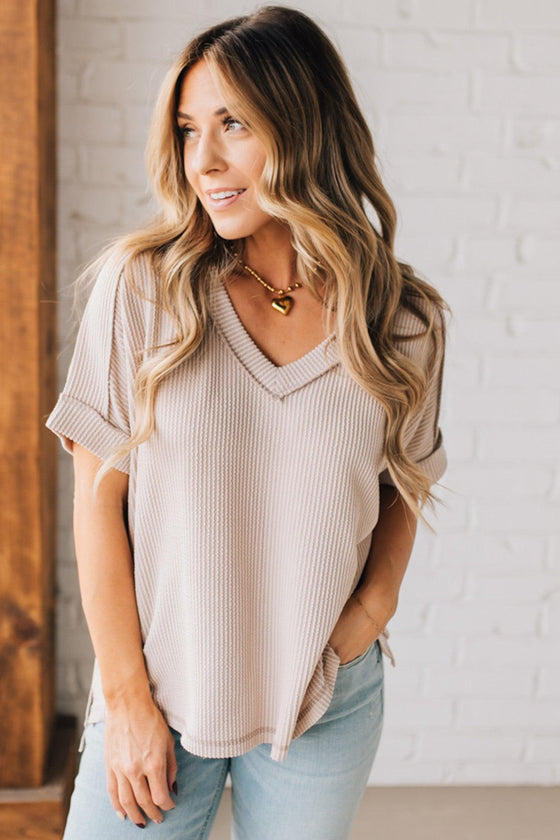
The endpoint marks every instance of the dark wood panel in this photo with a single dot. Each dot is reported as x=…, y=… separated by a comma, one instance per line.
x=28, y=359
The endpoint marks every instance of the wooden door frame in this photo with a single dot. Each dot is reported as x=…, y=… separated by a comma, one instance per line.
x=28, y=359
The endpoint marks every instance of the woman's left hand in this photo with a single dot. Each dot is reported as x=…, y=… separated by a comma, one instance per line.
x=354, y=631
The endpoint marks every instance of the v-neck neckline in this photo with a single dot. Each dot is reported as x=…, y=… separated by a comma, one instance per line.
x=280, y=380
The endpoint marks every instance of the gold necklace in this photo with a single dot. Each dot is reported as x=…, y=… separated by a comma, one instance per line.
x=282, y=304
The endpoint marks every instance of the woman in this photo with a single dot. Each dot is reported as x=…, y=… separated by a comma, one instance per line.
x=252, y=407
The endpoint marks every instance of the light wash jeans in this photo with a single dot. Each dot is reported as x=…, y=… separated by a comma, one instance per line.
x=313, y=794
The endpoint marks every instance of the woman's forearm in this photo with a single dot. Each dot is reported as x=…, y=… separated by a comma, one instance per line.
x=105, y=572
x=391, y=546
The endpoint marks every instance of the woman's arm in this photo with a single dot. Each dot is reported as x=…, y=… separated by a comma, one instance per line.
x=391, y=546
x=392, y=540
x=138, y=743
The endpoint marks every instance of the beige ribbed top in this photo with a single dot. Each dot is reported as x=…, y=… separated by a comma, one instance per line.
x=250, y=511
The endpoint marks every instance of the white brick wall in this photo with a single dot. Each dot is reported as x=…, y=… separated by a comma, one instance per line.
x=464, y=102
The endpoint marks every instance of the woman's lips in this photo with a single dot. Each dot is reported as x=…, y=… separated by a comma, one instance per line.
x=222, y=203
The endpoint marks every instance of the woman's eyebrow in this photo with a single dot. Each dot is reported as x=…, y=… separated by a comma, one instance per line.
x=217, y=113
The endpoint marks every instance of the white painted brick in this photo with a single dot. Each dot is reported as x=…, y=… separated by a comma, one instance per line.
x=418, y=586
x=534, y=214
x=523, y=94
x=549, y=683
x=517, y=293
x=517, y=713
x=537, y=51
x=530, y=516
x=78, y=647
x=137, y=119
x=419, y=649
x=67, y=90
x=429, y=13
x=527, y=176
x=421, y=173
x=463, y=294
x=438, y=133
x=544, y=748
x=405, y=682
x=68, y=684
x=425, y=251
x=96, y=123
x=67, y=585
x=527, y=651
x=155, y=40
x=536, y=135
x=552, y=561
x=91, y=238
x=551, y=618
x=516, y=333
x=435, y=50
x=499, y=404
x=470, y=747
x=491, y=481
x=480, y=681
x=516, y=588
x=396, y=773
x=138, y=206
x=65, y=7
x=410, y=715
x=423, y=550
x=501, y=14
x=113, y=165
x=496, y=773
x=483, y=618
x=456, y=514
x=66, y=163
x=395, y=747
x=359, y=46
x=326, y=12
x=119, y=82
x=527, y=443
x=410, y=620
x=460, y=442
x=89, y=36
x=488, y=553
x=397, y=90
x=133, y=8
x=483, y=253
x=69, y=616
x=71, y=63
x=453, y=214
x=91, y=204
x=66, y=244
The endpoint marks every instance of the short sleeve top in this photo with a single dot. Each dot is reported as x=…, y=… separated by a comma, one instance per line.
x=250, y=510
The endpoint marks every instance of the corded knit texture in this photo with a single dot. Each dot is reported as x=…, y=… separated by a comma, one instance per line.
x=250, y=510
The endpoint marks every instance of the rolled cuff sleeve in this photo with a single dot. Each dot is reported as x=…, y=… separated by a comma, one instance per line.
x=424, y=440
x=74, y=421
x=94, y=408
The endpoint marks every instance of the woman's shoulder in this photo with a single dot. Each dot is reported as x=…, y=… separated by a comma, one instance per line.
x=419, y=327
x=416, y=312
x=125, y=282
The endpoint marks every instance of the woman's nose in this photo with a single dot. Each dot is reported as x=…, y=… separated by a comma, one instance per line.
x=208, y=155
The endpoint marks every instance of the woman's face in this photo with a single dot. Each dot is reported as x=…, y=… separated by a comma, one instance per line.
x=222, y=159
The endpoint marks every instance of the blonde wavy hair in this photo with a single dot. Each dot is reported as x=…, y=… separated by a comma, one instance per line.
x=285, y=81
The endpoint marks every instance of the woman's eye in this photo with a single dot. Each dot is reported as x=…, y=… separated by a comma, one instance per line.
x=229, y=121
x=187, y=131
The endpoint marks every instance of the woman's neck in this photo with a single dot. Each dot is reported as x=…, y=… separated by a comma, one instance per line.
x=272, y=256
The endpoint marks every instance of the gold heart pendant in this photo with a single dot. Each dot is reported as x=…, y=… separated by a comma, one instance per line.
x=283, y=304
